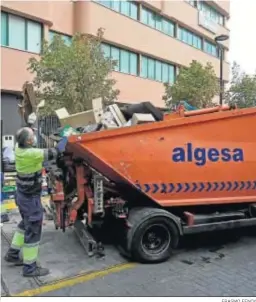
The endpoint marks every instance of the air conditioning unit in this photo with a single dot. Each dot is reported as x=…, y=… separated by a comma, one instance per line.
x=8, y=141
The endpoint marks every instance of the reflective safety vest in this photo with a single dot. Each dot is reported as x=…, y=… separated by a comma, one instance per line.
x=29, y=164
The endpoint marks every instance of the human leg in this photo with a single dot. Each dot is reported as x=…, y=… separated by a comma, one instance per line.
x=33, y=231
x=13, y=254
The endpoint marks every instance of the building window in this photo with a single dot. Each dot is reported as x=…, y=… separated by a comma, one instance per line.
x=34, y=31
x=127, y=8
x=168, y=27
x=127, y=61
x=189, y=38
x=211, y=13
x=156, y=21
x=165, y=73
x=133, y=63
x=211, y=48
x=157, y=70
x=144, y=67
x=4, y=29
x=20, y=33
x=115, y=55
x=67, y=39
x=124, y=61
x=106, y=50
x=17, y=35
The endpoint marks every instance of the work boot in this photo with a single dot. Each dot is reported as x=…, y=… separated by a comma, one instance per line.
x=10, y=259
x=38, y=272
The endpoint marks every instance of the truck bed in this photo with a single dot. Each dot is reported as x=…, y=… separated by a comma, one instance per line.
x=183, y=161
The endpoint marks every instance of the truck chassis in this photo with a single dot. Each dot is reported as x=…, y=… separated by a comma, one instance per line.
x=146, y=233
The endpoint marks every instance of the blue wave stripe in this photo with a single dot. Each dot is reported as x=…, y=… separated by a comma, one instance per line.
x=167, y=188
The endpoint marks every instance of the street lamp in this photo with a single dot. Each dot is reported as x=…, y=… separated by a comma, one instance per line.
x=219, y=39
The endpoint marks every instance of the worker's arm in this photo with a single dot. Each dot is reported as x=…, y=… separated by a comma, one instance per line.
x=42, y=155
x=50, y=154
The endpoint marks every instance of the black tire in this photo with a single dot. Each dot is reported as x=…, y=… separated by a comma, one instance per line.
x=158, y=247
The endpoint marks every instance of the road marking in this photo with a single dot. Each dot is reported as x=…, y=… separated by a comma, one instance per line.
x=10, y=205
x=74, y=280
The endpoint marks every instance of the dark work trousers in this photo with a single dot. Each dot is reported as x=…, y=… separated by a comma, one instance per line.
x=28, y=234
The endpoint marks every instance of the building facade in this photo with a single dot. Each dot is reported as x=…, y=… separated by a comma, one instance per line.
x=150, y=40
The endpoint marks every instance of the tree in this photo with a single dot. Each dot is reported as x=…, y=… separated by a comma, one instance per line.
x=242, y=90
x=197, y=84
x=73, y=75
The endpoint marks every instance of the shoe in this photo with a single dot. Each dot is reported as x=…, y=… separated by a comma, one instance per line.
x=38, y=272
x=15, y=261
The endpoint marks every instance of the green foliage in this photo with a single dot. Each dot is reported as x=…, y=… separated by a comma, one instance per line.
x=72, y=76
x=242, y=90
x=196, y=84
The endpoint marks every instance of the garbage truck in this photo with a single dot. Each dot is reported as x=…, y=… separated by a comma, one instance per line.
x=150, y=184
x=188, y=173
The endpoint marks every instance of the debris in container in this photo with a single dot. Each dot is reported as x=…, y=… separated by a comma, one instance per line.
x=117, y=115
x=140, y=118
x=80, y=119
x=89, y=128
x=144, y=107
x=128, y=124
x=108, y=120
x=110, y=117
x=68, y=130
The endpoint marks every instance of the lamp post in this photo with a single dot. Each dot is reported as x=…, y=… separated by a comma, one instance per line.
x=219, y=39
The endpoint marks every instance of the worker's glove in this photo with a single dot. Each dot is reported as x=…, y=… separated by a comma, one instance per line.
x=62, y=145
x=32, y=118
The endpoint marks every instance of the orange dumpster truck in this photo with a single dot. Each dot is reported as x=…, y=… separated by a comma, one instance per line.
x=191, y=172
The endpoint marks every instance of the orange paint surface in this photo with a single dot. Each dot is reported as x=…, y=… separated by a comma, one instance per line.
x=144, y=154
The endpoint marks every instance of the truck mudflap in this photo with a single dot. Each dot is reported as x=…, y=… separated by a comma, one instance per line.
x=190, y=160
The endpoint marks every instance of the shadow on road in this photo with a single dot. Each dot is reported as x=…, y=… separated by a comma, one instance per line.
x=216, y=240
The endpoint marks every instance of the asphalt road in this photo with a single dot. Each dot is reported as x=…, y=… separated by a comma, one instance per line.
x=220, y=264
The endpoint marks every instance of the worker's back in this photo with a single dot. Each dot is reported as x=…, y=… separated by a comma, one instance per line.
x=28, y=160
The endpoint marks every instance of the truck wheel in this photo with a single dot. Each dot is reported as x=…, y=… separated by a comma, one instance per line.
x=153, y=235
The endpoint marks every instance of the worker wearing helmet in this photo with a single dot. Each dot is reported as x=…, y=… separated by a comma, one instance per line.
x=29, y=162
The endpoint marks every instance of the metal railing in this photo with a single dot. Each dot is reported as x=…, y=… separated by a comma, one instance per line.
x=47, y=125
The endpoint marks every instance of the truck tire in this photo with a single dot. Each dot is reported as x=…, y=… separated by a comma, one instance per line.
x=154, y=233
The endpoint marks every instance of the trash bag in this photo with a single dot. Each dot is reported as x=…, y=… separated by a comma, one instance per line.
x=67, y=131
x=187, y=106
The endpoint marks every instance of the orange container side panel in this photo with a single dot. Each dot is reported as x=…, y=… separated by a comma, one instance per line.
x=197, y=160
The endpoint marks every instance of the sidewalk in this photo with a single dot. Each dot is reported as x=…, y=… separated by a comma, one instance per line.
x=61, y=252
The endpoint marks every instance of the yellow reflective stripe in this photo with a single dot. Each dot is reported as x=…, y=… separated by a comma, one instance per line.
x=30, y=253
x=18, y=239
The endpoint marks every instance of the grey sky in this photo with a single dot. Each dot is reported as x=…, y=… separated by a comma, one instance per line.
x=242, y=38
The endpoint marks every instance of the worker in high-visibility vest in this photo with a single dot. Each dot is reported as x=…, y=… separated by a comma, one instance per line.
x=29, y=162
